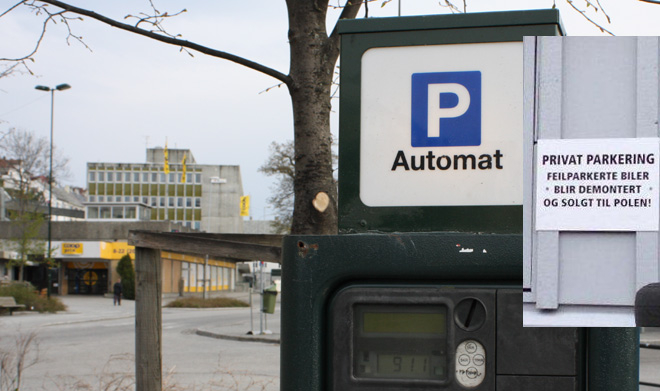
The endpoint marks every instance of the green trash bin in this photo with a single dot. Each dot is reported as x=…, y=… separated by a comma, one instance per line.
x=268, y=299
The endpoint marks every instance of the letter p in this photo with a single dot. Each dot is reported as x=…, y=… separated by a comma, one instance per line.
x=448, y=100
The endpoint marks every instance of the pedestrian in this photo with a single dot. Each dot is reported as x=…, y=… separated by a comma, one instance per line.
x=117, y=290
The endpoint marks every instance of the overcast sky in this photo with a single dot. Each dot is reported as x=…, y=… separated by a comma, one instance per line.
x=130, y=92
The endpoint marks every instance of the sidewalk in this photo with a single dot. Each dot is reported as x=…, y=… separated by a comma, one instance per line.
x=239, y=331
x=97, y=308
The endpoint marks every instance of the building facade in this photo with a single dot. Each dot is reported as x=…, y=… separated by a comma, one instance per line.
x=87, y=254
x=199, y=196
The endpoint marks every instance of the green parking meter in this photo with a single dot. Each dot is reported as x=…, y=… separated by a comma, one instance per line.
x=422, y=290
x=424, y=311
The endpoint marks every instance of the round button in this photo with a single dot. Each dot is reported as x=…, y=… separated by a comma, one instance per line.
x=470, y=347
x=464, y=359
x=472, y=373
x=470, y=314
x=478, y=359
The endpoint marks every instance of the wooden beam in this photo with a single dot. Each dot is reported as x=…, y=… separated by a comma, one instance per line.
x=266, y=240
x=205, y=244
x=148, y=320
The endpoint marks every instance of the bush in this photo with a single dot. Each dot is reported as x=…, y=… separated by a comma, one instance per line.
x=196, y=302
x=24, y=293
x=127, y=273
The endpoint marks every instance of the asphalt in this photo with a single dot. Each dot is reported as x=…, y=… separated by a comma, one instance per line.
x=99, y=308
x=650, y=335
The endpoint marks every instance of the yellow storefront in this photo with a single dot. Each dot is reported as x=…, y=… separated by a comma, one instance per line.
x=91, y=268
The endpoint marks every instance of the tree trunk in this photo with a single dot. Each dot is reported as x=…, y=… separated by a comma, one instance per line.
x=312, y=67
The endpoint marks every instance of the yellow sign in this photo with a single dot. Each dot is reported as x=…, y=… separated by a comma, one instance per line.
x=245, y=206
x=183, y=177
x=166, y=158
x=116, y=250
x=72, y=248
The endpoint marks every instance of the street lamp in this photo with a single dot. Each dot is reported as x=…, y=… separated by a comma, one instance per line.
x=60, y=87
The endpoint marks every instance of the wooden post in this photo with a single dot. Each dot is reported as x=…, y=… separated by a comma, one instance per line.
x=148, y=320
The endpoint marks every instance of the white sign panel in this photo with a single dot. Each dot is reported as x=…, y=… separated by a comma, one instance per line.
x=597, y=185
x=441, y=125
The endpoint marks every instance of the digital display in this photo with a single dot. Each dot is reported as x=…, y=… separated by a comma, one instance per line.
x=405, y=322
x=405, y=366
x=401, y=342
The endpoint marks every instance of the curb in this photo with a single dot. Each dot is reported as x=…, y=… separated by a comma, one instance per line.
x=204, y=333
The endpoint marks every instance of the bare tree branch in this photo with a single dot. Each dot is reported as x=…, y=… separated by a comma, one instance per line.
x=11, y=8
x=584, y=14
x=52, y=17
x=349, y=11
x=172, y=40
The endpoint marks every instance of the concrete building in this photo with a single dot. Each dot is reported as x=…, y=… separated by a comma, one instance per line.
x=67, y=201
x=199, y=196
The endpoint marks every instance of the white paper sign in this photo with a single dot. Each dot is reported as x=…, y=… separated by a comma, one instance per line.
x=597, y=185
x=441, y=125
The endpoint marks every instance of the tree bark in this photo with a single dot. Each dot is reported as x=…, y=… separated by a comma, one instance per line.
x=313, y=59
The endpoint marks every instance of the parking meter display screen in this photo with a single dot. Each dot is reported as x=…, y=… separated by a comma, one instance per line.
x=400, y=342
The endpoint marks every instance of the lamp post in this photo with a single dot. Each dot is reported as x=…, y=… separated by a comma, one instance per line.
x=60, y=87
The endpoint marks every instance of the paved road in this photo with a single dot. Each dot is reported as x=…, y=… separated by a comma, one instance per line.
x=649, y=369
x=93, y=343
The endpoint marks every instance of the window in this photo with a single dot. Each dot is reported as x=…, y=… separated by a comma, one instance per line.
x=110, y=176
x=189, y=178
x=93, y=212
x=162, y=177
x=162, y=202
x=101, y=199
x=171, y=202
x=117, y=212
x=154, y=202
x=198, y=202
x=136, y=199
x=171, y=177
x=154, y=177
x=145, y=200
x=118, y=177
x=127, y=176
x=198, y=178
x=130, y=212
x=145, y=177
x=118, y=199
x=136, y=177
x=92, y=176
x=104, y=212
x=127, y=199
x=101, y=176
x=92, y=198
x=197, y=225
x=188, y=202
x=179, y=202
x=178, y=177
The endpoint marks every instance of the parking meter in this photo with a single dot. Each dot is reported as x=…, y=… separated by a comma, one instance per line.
x=422, y=290
x=422, y=311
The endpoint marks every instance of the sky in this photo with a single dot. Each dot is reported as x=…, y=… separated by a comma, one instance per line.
x=130, y=92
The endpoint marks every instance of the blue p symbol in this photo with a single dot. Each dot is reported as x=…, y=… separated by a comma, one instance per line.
x=446, y=109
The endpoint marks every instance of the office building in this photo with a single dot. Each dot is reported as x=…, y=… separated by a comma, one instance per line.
x=200, y=196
